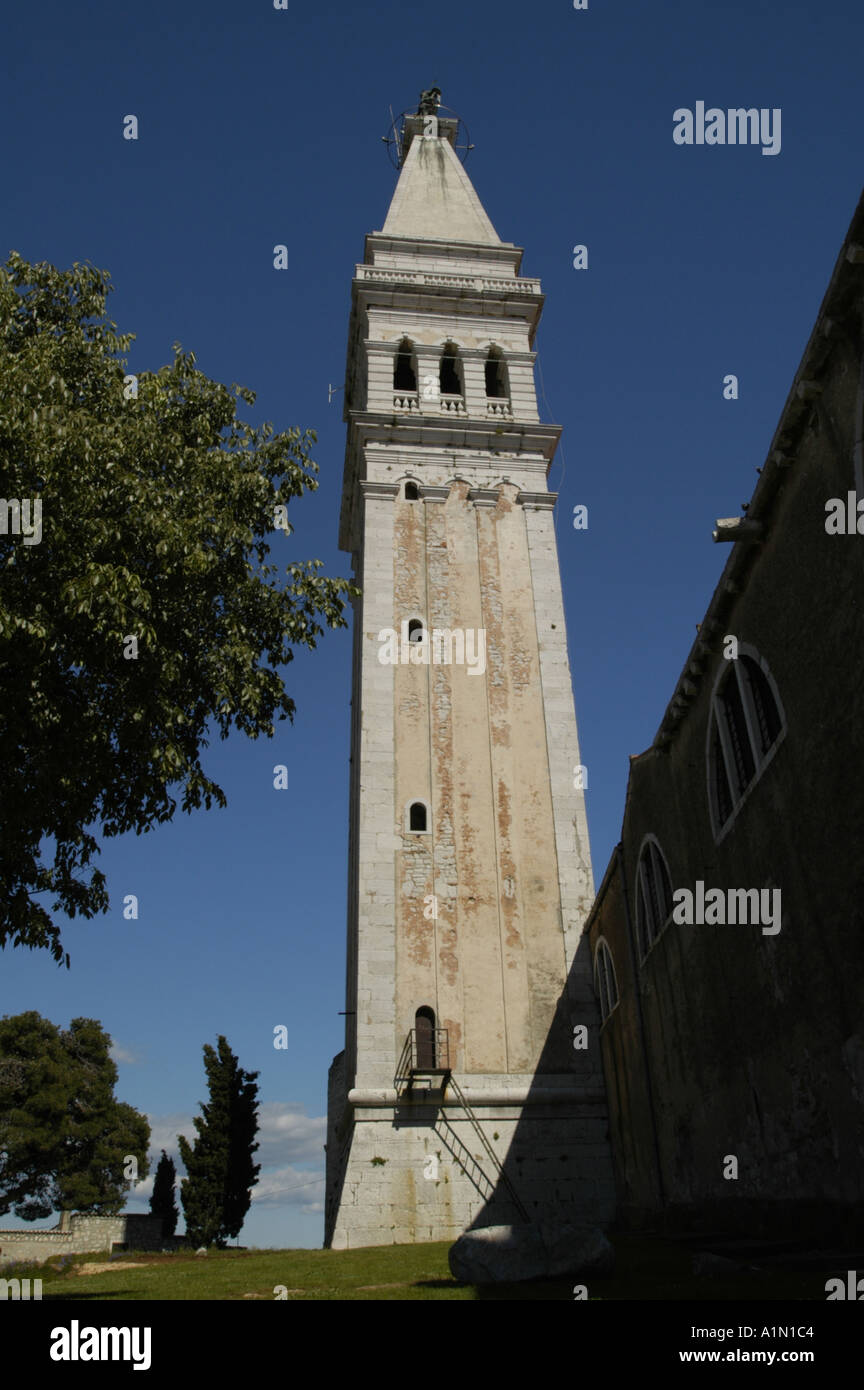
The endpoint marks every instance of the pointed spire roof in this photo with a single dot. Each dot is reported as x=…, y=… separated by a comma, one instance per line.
x=434, y=197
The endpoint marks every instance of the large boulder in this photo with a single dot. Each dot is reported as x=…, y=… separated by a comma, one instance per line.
x=508, y=1254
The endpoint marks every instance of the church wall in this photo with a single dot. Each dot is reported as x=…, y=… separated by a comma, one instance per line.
x=755, y=1042
x=626, y=1072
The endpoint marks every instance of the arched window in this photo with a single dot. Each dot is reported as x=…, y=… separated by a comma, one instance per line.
x=653, y=894
x=415, y=630
x=418, y=817
x=404, y=371
x=450, y=371
x=424, y=1037
x=745, y=726
x=412, y=492
x=496, y=375
x=605, y=981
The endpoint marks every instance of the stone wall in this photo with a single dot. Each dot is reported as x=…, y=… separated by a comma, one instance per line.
x=81, y=1234
x=420, y=1172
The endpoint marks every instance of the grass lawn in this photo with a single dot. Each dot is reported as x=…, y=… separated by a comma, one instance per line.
x=646, y=1269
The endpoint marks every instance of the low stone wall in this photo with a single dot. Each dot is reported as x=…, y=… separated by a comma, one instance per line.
x=81, y=1234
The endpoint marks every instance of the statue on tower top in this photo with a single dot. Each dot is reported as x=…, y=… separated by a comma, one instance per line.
x=429, y=102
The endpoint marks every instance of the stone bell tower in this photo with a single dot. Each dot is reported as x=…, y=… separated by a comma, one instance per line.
x=464, y=1095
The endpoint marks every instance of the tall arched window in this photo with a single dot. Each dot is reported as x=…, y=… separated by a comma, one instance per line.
x=497, y=384
x=745, y=726
x=450, y=372
x=404, y=369
x=412, y=492
x=653, y=894
x=605, y=981
x=424, y=1038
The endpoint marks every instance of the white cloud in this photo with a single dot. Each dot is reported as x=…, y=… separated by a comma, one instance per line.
x=163, y=1134
x=142, y=1191
x=118, y=1053
x=287, y=1135
x=291, y=1187
x=279, y=1187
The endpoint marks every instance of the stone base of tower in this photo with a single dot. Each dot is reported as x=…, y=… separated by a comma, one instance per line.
x=415, y=1171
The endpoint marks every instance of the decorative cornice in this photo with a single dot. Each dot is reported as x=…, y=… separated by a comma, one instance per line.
x=370, y=488
x=484, y=496
x=490, y=436
x=443, y=280
x=504, y=253
x=506, y=1095
x=391, y=346
x=470, y=295
x=537, y=501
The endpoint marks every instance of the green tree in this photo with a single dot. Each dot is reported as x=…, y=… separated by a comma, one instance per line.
x=217, y=1191
x=163, y=1203
x=144, y=613
x=65, y=1139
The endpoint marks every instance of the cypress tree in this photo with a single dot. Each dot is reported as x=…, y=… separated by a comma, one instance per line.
x=220, y=1173
x=162, y=1202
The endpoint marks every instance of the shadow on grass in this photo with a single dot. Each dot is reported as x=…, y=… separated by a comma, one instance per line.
x=81, y=1297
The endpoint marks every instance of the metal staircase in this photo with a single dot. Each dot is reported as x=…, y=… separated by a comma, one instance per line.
x=424, y=1067
x=496, y=1163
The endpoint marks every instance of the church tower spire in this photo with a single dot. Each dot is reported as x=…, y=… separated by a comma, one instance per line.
x=434, y=196
x=460, y=1097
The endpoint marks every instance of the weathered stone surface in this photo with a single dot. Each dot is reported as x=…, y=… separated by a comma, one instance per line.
x=79, y=1233
x=507, y=1254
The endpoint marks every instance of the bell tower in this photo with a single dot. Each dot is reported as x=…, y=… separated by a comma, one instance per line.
x=469, y=1091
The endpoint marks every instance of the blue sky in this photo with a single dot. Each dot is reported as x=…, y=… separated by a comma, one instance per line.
x=260, y=126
